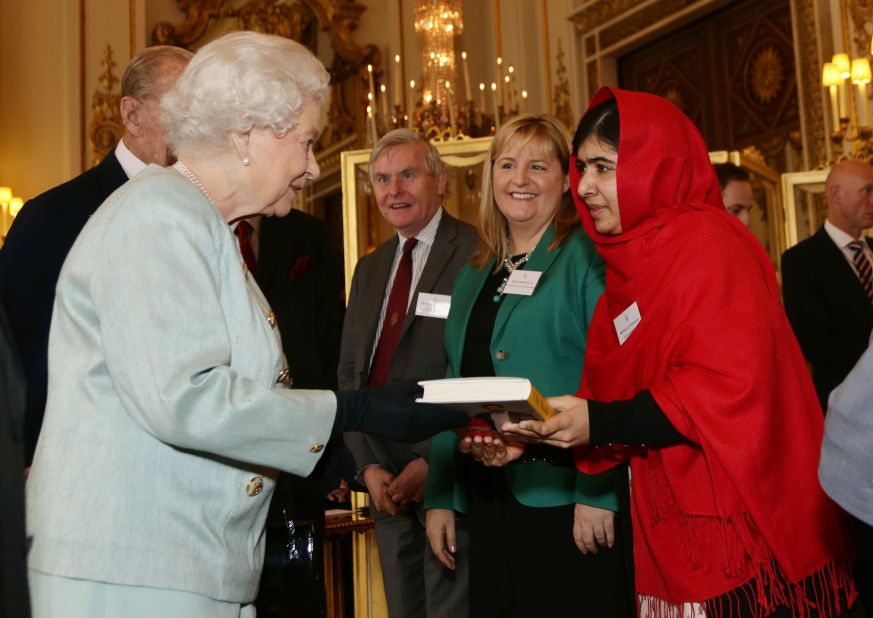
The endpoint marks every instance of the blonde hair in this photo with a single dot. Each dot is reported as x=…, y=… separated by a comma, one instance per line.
x=541, y=131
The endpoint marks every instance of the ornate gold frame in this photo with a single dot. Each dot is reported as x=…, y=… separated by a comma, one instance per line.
x=766, y=183
x=363, y=228
x=803, y=195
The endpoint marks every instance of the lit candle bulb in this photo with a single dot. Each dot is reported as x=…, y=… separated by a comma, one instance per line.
x=524, y=100
x=830, y=79
x=410, y=108
x=482, y=96
x=398, y=89
x=384, y=96
x=370, y=79
x=467, y=89
x=500, y=79
x=494, y=105
x=451, y=104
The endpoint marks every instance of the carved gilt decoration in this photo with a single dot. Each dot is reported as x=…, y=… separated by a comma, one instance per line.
x=106, y=127
x=731, y=72
x=812, y=112
x=299, y=20
x=562, y=105
x=861, y=14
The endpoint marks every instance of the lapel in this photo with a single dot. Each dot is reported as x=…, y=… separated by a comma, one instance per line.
x=467, y=290
x=110, y=176
x=441, y=253
x=540, y=260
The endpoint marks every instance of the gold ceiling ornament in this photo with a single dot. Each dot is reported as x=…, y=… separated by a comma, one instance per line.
x=767, y=73
x=106, y=127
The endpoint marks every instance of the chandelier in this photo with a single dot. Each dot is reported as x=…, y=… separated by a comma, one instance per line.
x=438, y=22
x=434, y=105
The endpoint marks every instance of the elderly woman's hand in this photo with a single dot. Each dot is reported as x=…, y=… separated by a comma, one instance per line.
x=593, y=527
x=569, y=428
x=489, y=448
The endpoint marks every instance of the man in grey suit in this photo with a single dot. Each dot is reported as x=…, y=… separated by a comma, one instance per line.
x=393, y=330
x=826, y=280
x=48, y=225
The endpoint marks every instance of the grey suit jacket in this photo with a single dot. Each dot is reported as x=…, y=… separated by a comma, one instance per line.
x=163, y=405
x=846, y=466
x=420, y=352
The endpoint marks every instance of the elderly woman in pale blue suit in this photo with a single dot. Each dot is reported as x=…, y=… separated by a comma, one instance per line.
x=168, y=412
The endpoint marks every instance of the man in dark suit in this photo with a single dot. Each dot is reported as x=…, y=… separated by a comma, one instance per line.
x=14, y=599
x=393, y=330
x=826, y=280
x=296, y=267
x=46, y=227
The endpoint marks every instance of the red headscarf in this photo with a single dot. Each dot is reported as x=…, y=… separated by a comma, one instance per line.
x=743, y=505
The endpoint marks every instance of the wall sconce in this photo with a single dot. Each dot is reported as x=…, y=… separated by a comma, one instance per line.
x=850, y=119
x=10, y=206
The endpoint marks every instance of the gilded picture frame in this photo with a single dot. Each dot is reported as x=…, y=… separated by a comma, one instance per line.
x=766, y=219
x=364, y=229
x=805, y=204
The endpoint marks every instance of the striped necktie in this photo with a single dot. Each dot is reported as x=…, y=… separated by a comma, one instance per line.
x=862, y=266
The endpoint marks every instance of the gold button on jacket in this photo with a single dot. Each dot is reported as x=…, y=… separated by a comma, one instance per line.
x=285, y=378
x=271, y=318
x=255, y=486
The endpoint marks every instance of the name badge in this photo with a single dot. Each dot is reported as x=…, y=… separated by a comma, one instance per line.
x=522, y=282
x=627, y=322
x=433, y=305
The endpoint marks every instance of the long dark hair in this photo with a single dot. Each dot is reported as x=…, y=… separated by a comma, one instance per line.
x=602, y=122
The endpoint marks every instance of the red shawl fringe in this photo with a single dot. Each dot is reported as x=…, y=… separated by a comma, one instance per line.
x=826, y=593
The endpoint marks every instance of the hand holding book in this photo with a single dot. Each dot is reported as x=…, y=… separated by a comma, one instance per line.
x=564, y=430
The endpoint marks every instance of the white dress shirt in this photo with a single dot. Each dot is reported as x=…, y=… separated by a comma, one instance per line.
x=842, y=239
x=129, y=161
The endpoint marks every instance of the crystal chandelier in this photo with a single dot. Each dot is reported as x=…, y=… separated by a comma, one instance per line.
x=438, y=22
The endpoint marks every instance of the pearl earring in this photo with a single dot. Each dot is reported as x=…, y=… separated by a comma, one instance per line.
x=246, y=160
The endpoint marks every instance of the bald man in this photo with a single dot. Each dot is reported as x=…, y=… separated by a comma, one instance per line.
x=45, y=229
x=826, y=280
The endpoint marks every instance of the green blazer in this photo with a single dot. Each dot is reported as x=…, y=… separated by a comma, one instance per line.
x=540, y=337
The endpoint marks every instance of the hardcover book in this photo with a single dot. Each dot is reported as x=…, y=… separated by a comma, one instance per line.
x=505, y=399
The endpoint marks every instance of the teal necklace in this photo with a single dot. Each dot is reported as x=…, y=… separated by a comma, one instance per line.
x=510, y=265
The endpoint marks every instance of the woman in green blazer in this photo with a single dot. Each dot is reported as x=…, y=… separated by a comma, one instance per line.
x=524, y=518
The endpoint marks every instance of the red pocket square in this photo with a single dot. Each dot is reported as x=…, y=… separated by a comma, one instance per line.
x=302, y=267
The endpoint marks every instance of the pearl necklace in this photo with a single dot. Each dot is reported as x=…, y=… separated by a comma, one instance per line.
x=183, y=169
x=511, y=266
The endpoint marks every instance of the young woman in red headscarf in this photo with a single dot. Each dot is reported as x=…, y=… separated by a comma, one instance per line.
x=691, y=363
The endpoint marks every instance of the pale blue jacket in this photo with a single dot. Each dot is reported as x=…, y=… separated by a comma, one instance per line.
x=163, y=405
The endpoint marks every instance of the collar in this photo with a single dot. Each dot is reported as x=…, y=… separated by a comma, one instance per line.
x=840, y=237
x=427, y=235
x=129, y=161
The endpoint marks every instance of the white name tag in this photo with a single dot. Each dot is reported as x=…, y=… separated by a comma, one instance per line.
x=522, y=282
x=433, y=305
x=627, y=322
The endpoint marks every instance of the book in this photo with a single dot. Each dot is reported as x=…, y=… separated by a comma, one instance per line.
x=505, y=399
